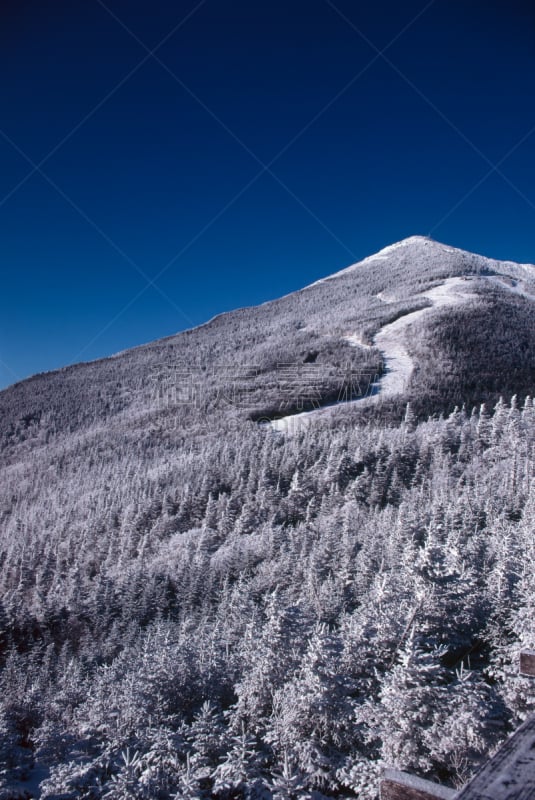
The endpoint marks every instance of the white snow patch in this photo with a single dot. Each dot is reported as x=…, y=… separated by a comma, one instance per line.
x=356, y=341
x=385, y=297
x=295, y=423
x=377, y=257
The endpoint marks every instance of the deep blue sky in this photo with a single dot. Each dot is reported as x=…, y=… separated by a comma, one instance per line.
x=144, y=169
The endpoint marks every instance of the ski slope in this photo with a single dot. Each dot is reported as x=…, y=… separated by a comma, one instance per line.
x=391, y=341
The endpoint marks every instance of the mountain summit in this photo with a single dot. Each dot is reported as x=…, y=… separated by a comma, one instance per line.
x=422, y=252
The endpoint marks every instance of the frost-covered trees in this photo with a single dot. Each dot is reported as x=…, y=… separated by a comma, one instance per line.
x=268, y=617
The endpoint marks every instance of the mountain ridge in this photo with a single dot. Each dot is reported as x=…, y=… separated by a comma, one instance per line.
x=310, y=323
x=415, y=241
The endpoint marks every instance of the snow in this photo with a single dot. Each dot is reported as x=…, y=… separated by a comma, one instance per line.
x=386, y=252
x=376, y=257
x=356, y=341
x=382, y=255
x=422, y=246
x=390, y=340
x=514, y=286
x=529, y=268
x=510, y=772
x=293, y=423
x=420, y=786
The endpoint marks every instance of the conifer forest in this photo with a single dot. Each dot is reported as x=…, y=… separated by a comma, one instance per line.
x=235, y=565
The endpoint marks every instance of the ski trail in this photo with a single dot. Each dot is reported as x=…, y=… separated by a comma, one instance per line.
x=390, y=339
x=398, y=364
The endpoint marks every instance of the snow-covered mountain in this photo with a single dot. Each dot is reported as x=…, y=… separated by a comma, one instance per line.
x=261, y=354
x=236, y=563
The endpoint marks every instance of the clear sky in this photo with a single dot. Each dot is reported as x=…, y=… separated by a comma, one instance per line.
x=162, y=162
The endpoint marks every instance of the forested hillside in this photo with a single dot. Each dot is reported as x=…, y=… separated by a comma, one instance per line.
x=195, y=605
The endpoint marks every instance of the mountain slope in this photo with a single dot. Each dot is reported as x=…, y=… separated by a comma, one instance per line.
x=193, y=605
x=245, y=349
x=397, y=363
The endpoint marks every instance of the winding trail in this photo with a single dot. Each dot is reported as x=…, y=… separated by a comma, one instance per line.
x=391, y=341
x=398, y=364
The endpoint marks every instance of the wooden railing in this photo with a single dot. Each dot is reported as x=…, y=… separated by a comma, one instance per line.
x=508, y=775
x=398, y=785
x=527, y=663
